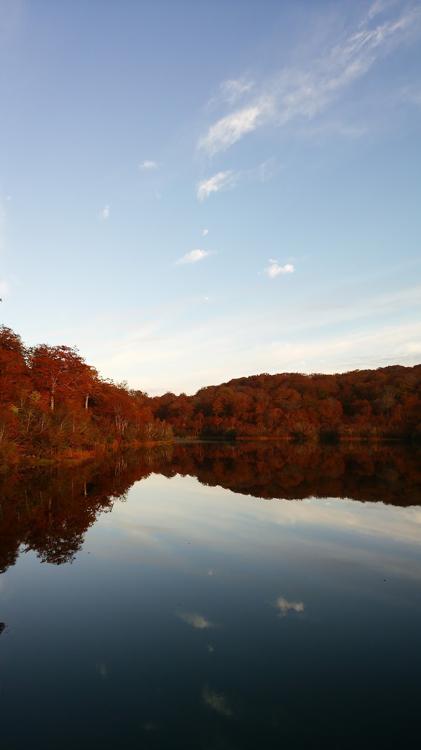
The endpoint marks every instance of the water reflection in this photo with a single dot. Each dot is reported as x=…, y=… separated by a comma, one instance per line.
x=49, y=511
x=203, y=612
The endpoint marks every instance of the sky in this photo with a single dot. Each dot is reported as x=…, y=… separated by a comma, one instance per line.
x=193, y=191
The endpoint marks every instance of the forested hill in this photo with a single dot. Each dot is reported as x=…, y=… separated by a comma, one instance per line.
x=53, y=404
x=382, y=403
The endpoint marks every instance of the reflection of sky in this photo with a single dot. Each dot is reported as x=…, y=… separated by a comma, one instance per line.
x=170, y=519
x=193, y=601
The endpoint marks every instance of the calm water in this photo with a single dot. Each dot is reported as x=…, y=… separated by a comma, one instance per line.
x=213, y=596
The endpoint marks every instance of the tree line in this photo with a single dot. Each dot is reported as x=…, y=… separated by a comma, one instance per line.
x=52, y=403
x=363, y=404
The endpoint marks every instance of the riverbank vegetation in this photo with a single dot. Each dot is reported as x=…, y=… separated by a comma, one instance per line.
x=53, y=405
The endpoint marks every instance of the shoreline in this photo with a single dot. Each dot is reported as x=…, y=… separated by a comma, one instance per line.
x=76, y=456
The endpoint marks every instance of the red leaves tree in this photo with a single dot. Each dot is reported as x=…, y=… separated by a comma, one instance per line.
x=60, y=372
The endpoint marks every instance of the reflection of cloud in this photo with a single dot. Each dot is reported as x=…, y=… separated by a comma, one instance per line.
x=371, y=533
x=149, y=726
x=102, y=670
x=195, y=620
x=216, y=701
x=285, y=607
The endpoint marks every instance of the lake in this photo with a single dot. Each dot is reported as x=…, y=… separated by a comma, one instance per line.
x=252, y=595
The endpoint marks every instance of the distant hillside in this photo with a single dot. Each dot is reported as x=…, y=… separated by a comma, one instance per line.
x=382, y=403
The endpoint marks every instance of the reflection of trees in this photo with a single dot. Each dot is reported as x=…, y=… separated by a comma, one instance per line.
x=50, y=511
x=280, y=469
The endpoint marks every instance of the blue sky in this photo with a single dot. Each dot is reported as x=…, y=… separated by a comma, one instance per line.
x=194, y=191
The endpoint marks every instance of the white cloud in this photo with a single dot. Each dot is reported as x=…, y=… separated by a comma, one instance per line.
x=105, y=213
x=227, y=180
x=195, y=620
x=305, y=92
x=205, y=232
x=148, y=165
x=275, y=269
x=285, y=607
x=219, y=181
x=193, y=256
x=228, y=130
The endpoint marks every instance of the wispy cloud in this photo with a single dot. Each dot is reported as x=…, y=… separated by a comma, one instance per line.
x=379, y=7
x=197, y=621
x=305, y=92
x=148, y=165
x=275, y=269
x=328, y=128
x=216, y=183
x=233, y=89
x=295, y=335
x=105, y=213
x=194, y=256
x=205, y=232
x=229, y=179
x=228, y=130
x=284, y=606
x=411, y=94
